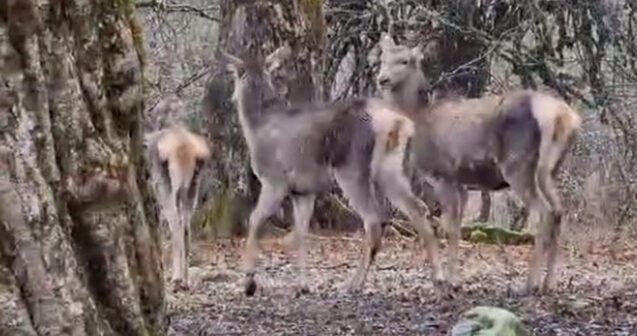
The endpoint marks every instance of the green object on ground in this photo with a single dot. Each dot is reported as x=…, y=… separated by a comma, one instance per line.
x=490, y=234
x=478, y=236
x=488, y=321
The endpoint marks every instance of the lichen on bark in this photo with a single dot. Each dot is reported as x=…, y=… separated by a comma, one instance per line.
x=70, y=112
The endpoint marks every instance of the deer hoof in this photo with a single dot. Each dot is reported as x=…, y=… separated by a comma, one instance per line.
x=439, y=279
x=354, y=288
x=302, y=290
x=178, y=285
x=453, y=285
x=549, y=286
x=250, y=286
x=520, y=290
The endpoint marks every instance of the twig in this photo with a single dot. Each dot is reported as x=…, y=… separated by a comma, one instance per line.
x=192, y=79
x=388, y=267
x=315, y=236
x=343, y=205
x=339, y=265
x=402, y=230
x=183, y=85
x=466, y=66
x=176, y=8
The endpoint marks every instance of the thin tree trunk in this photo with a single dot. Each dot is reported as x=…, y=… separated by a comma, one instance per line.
x=79, y=251
x=258, y=27
x=485, y=207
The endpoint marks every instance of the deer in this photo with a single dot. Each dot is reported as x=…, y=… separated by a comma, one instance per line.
x=301, y=150
x=516, y=140
x=176, y=156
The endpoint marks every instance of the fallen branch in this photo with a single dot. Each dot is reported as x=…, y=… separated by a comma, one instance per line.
x=388, y=267
x=395, y=223
x=339, y=265
x=402, y=229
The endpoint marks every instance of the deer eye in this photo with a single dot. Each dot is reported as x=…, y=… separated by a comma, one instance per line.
x=404, y=62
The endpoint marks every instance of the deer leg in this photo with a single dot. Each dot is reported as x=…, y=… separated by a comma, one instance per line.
x=398, y=190
x=358, y=191
x=553, y=222
x=485, y=207
x=184, y=212
x=303, y=208
x=453, y=229
x=523, y=183
x=187, y=216
x=454, y=198
x=269, y=201
x=177, y=238
x=189, y=204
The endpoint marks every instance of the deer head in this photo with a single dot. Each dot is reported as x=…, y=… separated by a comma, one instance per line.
x=400, y=78
x=255, y=75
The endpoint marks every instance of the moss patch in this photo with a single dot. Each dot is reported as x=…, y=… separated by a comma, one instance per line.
x=127, y=8
x=219, y=216
x=491, y=234
x=313, y=11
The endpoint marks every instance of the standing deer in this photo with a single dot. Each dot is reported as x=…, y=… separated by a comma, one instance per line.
x=515, y=140
x=176, y=156
x=299, y=151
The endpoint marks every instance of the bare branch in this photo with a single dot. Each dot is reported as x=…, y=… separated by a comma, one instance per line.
x=192, y=79
x=178, y=8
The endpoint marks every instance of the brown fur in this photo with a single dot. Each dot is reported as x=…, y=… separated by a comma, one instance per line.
x=183, y=146
x=517, y=139
x=297, y=151
x=176, y=154
x=566, y=122
x=392, y=138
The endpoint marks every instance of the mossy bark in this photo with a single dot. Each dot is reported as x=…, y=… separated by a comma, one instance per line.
x=70, y=106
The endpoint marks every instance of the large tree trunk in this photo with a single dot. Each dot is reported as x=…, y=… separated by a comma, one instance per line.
x=256, y=27
x=79, y=252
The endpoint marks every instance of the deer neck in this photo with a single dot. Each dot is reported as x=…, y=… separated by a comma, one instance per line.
x=409, y=98
x=253, y=114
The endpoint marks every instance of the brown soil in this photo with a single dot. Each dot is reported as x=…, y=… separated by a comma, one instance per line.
x=597, y=293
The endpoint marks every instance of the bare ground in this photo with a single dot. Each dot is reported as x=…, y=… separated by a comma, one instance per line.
x=597, y=293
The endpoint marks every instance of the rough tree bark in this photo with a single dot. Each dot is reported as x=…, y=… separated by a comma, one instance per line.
x=79, y=249
x=257, y=27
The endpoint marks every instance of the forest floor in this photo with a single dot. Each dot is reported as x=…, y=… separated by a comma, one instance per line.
x=597, y=294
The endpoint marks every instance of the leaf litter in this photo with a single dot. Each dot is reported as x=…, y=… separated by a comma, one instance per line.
x=597, y=293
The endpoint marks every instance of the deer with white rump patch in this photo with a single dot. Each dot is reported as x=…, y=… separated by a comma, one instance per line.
x=517, y=140
x=176, y=157
x=299, y=151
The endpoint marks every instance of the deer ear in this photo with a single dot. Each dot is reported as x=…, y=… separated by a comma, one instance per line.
x=276, y=58
x=417, y=54
x=386, y=41
x=233, y=63
x=429, y=50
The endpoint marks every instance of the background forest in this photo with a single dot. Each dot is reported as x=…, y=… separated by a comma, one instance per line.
x=582, y=50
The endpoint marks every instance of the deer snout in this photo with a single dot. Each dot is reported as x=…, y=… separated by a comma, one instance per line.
x=384, y=81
